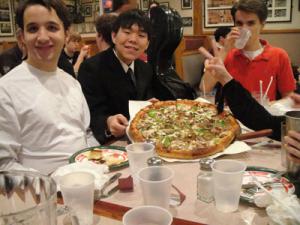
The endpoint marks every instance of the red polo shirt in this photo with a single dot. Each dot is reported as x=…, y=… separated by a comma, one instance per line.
x=272, y=61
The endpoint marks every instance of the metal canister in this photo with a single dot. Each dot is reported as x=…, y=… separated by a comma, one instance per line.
x=154, y=161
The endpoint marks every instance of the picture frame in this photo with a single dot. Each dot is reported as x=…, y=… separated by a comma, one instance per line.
x=217, y=13
x=187, y=21
x=6, y=19
x=186, y=4
x=279, y=11
x=144, y=4
x=86, y=1
x=88, y=10
x=165, y=4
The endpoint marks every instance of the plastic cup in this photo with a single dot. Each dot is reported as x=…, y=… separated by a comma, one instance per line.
x=227, y=182
x=264, y=101
x=78, y=193
x=156, y=182
x=147, y=215
x=243, y=39
x=138, y=153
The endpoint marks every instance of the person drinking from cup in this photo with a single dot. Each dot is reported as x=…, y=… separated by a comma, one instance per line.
x=43, y=112
x=257, y=64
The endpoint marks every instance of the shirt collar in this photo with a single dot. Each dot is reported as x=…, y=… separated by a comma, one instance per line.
x=124, y=65
x=265, y=55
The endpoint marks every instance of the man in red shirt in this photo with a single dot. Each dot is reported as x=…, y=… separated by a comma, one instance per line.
x=258, y=63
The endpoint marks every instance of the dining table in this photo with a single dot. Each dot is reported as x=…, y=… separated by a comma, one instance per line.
x=192, y=211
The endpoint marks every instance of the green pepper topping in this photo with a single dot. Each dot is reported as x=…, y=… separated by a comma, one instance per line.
x=152, y=113
x=221, y=123
x=166, y=141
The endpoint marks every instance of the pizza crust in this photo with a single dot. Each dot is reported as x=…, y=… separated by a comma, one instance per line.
x=228, y=134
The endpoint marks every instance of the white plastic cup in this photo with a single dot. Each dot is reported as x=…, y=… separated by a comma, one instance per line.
x=156, y=183
x=227, y=182
x=138, y=153
x=147, y=215
x=259, y=97
x=78, y=194
x=243, y=39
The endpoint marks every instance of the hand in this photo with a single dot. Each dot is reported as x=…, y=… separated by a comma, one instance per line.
x=153, y=100
x=296, y=98
x=217, y=69
x=84, y=52
x=230, y=39
x=117, y=125
x=292, y=143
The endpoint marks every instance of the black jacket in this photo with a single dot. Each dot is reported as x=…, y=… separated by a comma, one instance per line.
x=108, y=89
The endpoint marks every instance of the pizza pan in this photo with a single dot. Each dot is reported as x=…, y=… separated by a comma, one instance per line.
x=116, y=153
x=271, y=179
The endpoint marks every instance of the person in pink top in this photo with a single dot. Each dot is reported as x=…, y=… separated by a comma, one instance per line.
x=257, y=64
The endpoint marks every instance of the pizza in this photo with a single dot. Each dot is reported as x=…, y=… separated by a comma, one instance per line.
x=184, y=129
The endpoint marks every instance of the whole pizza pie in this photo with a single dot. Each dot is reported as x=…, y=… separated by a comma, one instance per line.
x=184, y=129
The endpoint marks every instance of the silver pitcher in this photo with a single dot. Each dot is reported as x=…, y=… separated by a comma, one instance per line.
x=293, y=164
x=27, y=198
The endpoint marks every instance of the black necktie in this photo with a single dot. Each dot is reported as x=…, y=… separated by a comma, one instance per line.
x=131, y=75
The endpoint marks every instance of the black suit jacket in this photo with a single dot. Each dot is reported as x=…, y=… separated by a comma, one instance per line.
x=108, y=88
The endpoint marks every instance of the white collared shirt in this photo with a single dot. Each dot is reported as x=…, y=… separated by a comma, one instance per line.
x=124, y=65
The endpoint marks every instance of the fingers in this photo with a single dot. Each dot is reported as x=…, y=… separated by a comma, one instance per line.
x=117, y=125
x=296, y=99
x=153, y=100
x=292, y=143
x=205, y=53
x=215, y=48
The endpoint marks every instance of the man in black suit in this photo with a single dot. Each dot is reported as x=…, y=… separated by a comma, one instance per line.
x=107, y=82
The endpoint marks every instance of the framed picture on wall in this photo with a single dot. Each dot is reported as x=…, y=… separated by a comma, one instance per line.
x=86, y=1
x=186, y=4
x=165, y=4
x=187, y=21
x=144, y=4
x=279, y=10
x=217, y=13
x=6, y=18
x=88, y=10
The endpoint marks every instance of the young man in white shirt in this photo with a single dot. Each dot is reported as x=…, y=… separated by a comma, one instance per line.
x=43, y=113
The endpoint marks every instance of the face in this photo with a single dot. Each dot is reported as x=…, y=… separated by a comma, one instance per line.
x=130, y=43
x=44, y=37
x=73, y=46
x=251, y=22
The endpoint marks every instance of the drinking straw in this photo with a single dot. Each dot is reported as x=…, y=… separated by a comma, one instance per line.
x=260, y=91
x=269, y=85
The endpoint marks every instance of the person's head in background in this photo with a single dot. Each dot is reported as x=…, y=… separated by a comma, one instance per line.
x=73, y=43
x=220, y=35
x=120, y=6
x=130, y=35
x=152, y=3
x=104, y=24
x=250, y=14
x=44, y=25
